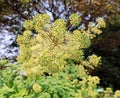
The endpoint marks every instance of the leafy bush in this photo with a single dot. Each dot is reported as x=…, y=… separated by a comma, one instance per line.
x=52, y=63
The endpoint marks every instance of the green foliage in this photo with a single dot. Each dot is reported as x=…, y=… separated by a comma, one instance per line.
x=3, y=62
x=11, y=84
x=52, y=63
x=72, y=82
x=60, y=85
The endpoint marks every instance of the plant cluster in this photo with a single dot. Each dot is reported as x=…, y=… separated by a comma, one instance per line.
x=52, y=62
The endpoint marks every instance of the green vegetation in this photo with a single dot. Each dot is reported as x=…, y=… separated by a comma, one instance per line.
x=52, y=62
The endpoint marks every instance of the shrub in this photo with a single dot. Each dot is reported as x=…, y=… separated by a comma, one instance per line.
x=52, y=63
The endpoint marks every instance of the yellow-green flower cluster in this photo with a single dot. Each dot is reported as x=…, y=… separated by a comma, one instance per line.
x=25, y=38
x=24, y=42
x=93, y=80
x=101, y=23
x=108, y=92
x=94, y=29
x=25, y=1
x=117, y=94
x=75, y=20
x=25, y=54
x=28, y=24
x=37, y=88
x=58, y=30
x=92, y=62
x=88, y=87
x=40, y=21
